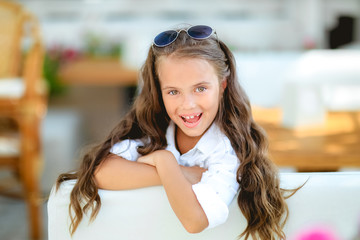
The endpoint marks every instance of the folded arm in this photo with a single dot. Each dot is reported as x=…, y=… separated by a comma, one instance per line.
x=117, y=173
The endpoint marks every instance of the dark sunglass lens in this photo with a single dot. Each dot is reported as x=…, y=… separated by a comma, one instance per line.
x=165, y=38
x=200, y=31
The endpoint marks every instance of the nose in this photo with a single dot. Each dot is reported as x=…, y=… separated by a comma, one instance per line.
x=189, y=101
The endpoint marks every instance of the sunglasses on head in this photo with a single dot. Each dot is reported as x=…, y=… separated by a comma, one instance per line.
x=198, y=32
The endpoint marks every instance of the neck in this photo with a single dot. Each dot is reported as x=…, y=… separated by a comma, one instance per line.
x=185, y=143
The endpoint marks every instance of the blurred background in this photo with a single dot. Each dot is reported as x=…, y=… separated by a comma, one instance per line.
x=299, y=62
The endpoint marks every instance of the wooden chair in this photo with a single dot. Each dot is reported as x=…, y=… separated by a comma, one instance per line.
x=22, y=101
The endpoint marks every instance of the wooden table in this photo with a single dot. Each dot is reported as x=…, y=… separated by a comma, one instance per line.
x=98, y=71
x=334, y=145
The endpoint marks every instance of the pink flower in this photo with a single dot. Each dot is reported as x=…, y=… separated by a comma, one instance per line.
x=319, y=232
x=70, y=54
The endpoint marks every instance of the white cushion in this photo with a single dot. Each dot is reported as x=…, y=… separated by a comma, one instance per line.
x=11, y=87
x=9, y=146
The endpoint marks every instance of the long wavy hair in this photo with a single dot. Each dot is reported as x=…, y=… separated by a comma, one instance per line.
x=260, y=199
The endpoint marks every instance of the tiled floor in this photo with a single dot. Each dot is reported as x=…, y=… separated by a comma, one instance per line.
x=13, y=220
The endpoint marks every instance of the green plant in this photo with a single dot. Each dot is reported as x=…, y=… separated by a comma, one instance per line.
x=100, y=46
x=55, y=57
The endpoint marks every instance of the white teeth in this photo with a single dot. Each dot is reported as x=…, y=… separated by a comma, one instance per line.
x=190, y=117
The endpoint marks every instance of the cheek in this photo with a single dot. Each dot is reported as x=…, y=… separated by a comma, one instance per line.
x=169, y=105
x=211, y=103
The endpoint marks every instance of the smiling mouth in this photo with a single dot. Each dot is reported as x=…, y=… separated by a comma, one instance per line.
x=191, y=119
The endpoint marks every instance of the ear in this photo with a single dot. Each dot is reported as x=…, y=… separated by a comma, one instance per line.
x=223, y=85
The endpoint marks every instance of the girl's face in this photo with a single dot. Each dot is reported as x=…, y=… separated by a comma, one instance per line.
x=191, y=91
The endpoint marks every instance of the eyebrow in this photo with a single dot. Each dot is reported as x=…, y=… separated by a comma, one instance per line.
x=196, y=85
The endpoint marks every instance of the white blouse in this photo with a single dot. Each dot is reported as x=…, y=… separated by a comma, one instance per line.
x=214, y=152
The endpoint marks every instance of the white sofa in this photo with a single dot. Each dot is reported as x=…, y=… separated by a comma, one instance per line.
x=327, y=199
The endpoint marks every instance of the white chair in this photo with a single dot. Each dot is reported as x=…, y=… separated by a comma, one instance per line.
x=319, y=81
x=330, y=199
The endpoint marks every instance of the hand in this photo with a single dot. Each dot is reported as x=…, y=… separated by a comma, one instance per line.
x=193, y=174
x=153, y=158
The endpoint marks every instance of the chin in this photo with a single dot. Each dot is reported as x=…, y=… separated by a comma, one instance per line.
x=193, y=132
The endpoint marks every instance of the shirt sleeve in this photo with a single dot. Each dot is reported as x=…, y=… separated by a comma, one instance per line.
x=218, y=186
x=127, y=149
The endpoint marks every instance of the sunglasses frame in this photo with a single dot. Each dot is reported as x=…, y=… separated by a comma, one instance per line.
x=187, y=32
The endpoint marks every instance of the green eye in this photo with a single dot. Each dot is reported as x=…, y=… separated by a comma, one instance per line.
x=200, y=89
x=173, y=92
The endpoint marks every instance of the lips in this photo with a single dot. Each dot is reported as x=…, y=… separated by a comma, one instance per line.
x=191, y=120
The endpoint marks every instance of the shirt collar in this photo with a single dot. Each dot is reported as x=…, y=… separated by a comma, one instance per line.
x=170, y=134
x=207, y=142
x=170, y=138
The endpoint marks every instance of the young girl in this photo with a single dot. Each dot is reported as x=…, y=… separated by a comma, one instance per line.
x=191, y=130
